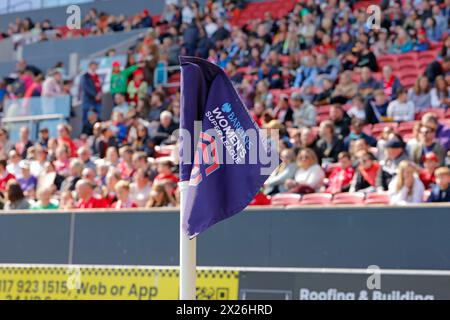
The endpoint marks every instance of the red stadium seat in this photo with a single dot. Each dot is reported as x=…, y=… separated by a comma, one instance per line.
x=316, y=198
x=406, y=127
x=410, y=56
x=377, y=128
x=377, y=198
x=348, y=198
x=439, y=112
x=408, y=80
x=286, y=199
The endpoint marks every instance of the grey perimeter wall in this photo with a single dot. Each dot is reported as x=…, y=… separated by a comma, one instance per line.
x=396, y=238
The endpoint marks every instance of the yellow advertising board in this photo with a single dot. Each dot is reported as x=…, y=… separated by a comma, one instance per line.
x=35, y=282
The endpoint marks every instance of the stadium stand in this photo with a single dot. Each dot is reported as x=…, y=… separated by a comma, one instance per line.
x=362, y=110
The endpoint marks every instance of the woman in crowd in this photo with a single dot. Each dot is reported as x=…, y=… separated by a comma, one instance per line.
x=159, y=197
x=366, y=173
x=309, y=176
x=440, y=94
x=15, y=199
x=124, y=201
x=286, y=170
x=406, y=186
x=420, y=94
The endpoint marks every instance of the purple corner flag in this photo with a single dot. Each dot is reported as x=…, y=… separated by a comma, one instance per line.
x=223, y=178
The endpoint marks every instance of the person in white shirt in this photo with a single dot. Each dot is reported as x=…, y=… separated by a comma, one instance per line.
x=358, y=109
x=121, y=104
x=406, y=187
x=309, y=176
x=52, y=86
x=401, y=109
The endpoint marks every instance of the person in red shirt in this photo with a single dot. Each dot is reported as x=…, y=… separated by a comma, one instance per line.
x=5, y=176
x=430, y=163
x=64, y=138
x=87, y=200
x=122, y=189
x=342, y=175
x=165, y=172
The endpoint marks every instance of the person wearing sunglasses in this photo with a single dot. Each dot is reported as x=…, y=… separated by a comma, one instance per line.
x=427, y=144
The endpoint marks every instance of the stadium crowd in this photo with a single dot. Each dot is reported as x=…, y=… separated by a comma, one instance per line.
x=349, y=122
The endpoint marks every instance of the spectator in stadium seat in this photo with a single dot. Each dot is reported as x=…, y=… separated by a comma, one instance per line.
x=27, y=182
x=420, y=94
x=44, y=200
x=382, y=43
x=367, y=83
x=121, y=104
x=5, y=144
x=64, y=138
x=346, y=88
x=440, y=93
x=52, y=86
x=164, y=168
x=441, y=191
x=141, y=187
x=324, y=96
x=283, y=112
x=402, y=42
x=159, y=197
x=433, y=31
x=62, y=162
x=75, y=170
x=165, y=129
x=357, y=133
x=395, y=153
x=91, y=91
x=37, y=165
x=5, y=176
x=390, y=83
x=44, y=137
x=286, y=170
x=306, y=73
x=86, y=198
x=14, y=164
x=15, y=199
x=137, y=88
x=304, y=112
x=430, y=120
x=24, y=142
x=430, y=164
x=309, y=177
x=329, y=145
x=406, y=186
x=341, y=175
x=376, y=108
x=156, y=106
x=365, y=57
x=427, y=143
x=401, y=109
x=341, y=121
x=124, y=201
x=357, y=109
x=84, y=155
x=88, y=126
x=364, y=179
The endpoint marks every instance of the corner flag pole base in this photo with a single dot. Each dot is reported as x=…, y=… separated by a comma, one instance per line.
x=188, y=253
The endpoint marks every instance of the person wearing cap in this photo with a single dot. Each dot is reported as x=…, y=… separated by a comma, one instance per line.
x=119, y=78
x=52, y=86
x=427, y=143
x=27, y=182
x=137, y=88
x=441, y=191
x=304, y=112
x=395, y=153
x=91, y=90
x=430, y=164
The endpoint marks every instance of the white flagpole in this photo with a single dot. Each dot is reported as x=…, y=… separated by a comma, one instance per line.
x=188, y=253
